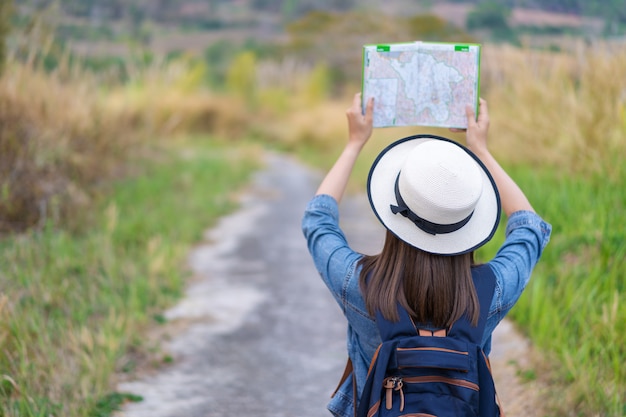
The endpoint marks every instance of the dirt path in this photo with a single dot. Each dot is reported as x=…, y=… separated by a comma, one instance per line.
x=510, y=358
x=257, y=332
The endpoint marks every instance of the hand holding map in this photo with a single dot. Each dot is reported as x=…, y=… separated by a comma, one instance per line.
x=421, y=83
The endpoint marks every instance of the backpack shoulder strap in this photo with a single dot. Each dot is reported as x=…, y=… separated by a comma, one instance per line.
x=485, y=284
x=393, y=330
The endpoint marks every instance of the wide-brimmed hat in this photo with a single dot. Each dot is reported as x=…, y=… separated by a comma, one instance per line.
x=434, y=194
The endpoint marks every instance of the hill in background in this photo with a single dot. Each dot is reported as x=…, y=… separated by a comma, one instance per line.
x=95, y=27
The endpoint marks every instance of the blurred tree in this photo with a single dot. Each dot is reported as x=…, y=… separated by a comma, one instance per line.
x=318, y=85
x=218, y=56
x=289, y=9
x=299, y=8
x=489, y=15
x=336, y=39
x=492, y=16
x=268, y=5
x=614, y=13
x=241, y=76
x=434, y=28
x=6, y=11
x=307, y=6
x=77, y=8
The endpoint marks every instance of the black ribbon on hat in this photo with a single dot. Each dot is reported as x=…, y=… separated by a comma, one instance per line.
x=423, y=224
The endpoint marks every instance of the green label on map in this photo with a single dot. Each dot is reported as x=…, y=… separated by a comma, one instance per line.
x=461, y=48
x=383, y=48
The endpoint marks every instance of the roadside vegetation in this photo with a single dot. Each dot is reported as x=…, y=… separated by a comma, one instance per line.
x=559, y=120
x=109, y=174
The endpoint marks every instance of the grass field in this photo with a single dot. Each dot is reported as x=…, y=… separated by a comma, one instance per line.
x=74, y=301
x=72, y=305
x=574, y=308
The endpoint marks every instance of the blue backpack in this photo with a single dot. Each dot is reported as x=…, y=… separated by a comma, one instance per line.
x=420, y=373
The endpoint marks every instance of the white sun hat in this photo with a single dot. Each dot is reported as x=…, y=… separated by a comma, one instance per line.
x=434, y=194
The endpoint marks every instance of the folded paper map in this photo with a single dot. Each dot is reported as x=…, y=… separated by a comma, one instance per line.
x=421, y=83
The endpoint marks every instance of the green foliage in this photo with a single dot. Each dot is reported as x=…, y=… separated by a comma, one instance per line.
x=66, y=32
x=217, y=14
x=6, y=13
x=318, y=86
x=489, y=15
x=493, y=17
x=337, y=38
x=110, y=403
x=219, y=57
x=296, y=8
x=433, y=28
x=72, y=302
x=194, y=76
x=241, y=76
x=575, y=305
x=289, y=9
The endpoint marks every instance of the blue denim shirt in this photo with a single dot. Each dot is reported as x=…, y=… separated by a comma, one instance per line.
x=526, y=236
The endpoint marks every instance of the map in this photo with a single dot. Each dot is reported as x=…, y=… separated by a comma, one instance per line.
x=421, y=83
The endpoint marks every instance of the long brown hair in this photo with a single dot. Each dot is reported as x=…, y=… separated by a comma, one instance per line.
x=434, y=289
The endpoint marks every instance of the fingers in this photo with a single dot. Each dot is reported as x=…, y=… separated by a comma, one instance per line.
x=360, y=120
x=356, y=104
x=471, y=116
x=356, y=101
x=369, y=109
x=357, y=109
x=483, y=112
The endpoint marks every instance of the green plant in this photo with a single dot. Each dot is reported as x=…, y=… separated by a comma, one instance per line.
x=241, y=77
x=574, y=306
x=70, y=303
x=6, y=16
x=493, y=17
x=111, y=403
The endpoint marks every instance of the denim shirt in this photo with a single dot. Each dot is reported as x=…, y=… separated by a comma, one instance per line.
x=526, y=237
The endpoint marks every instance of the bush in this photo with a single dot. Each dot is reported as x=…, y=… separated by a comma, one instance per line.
x=6, y=8
x=56, y=144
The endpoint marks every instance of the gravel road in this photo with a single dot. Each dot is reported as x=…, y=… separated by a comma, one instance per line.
x=257, y=333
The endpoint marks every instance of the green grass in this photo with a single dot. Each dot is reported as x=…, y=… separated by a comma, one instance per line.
x=71, y=305
x=574, y=308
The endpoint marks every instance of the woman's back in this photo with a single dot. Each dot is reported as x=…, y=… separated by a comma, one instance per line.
x=439, y=201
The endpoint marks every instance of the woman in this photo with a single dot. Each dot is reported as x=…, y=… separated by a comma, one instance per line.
x=439, y=201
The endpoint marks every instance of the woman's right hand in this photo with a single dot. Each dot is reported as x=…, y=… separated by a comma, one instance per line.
x=511, y=196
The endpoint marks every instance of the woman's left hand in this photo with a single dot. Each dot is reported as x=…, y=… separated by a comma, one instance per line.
x=360, y=125
x=360, y=128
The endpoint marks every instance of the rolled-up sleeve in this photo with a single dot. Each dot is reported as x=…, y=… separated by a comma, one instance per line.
x=527, y=235
x=328, y=245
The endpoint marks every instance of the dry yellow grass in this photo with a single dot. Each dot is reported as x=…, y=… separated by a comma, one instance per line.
x=563, y=109
x=54, y=142
x=566, y=110
x=62, y=135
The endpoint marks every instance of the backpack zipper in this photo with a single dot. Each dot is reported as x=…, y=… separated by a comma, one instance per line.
x=391, y=384
x=435, y=349
x=396, y=383
x=452, y=381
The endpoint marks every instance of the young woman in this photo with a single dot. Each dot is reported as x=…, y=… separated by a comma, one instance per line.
x=439, y=201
